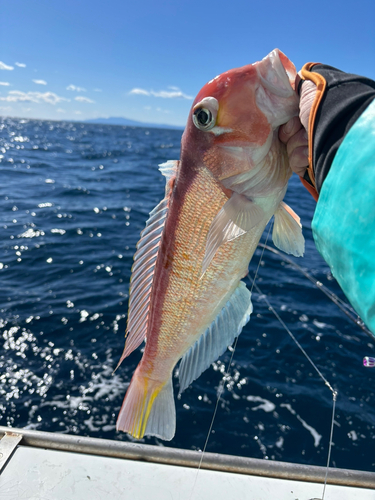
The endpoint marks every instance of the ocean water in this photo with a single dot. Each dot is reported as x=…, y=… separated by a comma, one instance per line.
x=73, y=200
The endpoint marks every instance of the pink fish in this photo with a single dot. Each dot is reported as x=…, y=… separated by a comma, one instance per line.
x=186, y=293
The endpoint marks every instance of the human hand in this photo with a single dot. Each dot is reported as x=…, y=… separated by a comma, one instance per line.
x=294, y=133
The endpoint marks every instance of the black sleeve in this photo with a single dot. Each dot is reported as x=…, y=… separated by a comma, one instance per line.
x=344, y=100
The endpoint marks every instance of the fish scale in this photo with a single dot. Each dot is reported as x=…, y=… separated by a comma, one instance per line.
x=185, y=288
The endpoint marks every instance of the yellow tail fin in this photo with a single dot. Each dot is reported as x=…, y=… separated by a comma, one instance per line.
x=148, y=408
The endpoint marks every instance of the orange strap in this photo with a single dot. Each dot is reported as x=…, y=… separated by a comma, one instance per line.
x=310, y=188
x=320, y=83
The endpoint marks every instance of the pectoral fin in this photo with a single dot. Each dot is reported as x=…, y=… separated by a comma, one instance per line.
x=220, y=334
x=238, y=215
x=287, y=231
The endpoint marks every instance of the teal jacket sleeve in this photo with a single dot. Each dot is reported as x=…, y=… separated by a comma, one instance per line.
x=341, y=177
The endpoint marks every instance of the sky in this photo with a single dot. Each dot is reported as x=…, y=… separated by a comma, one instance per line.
x=146, y=60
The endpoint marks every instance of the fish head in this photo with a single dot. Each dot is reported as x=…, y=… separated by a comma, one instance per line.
x=232, y=126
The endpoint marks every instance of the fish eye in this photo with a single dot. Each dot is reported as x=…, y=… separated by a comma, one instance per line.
x=203, y=119
x=204, y=113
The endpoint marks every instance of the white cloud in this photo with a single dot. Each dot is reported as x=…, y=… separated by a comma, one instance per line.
x=98, y=90
x=40, y=82
x=165, y=94
x=83, y=99
x=37, y=97
x=59, y=110
x=78, y=112
x=5, y=66
x=5, y=84
x=75, y=88
x=139, y=92
x=173, y=94
x=20, y=65
x=5, y=108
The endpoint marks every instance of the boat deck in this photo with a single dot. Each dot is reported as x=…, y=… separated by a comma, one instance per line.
x=44, y=466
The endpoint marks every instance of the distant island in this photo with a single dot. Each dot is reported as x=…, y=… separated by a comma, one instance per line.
x=130, y=123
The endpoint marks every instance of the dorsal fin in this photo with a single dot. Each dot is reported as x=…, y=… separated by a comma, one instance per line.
x=219, y=335
x=169, y=169
x=144, y=266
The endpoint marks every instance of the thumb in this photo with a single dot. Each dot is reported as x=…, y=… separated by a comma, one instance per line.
x=308, y=93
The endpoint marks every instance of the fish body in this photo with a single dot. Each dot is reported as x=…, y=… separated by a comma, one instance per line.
x=186, y=293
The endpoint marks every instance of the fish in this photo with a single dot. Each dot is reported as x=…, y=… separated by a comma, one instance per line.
x=187, y=300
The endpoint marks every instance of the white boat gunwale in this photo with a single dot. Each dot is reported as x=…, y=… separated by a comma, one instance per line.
x=186, y=458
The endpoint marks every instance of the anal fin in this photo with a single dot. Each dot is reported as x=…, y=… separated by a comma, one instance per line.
x=220, y=334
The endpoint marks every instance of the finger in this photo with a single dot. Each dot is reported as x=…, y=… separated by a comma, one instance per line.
x=298, y=152
x=298, y=160
x=297, y=140
x=308, y=93
x=290, y=128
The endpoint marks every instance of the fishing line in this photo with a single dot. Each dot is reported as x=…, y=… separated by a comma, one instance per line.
x=225, y=378
x=343, y=306
x=295, y=340
x=334, y=393
x=330, y=442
